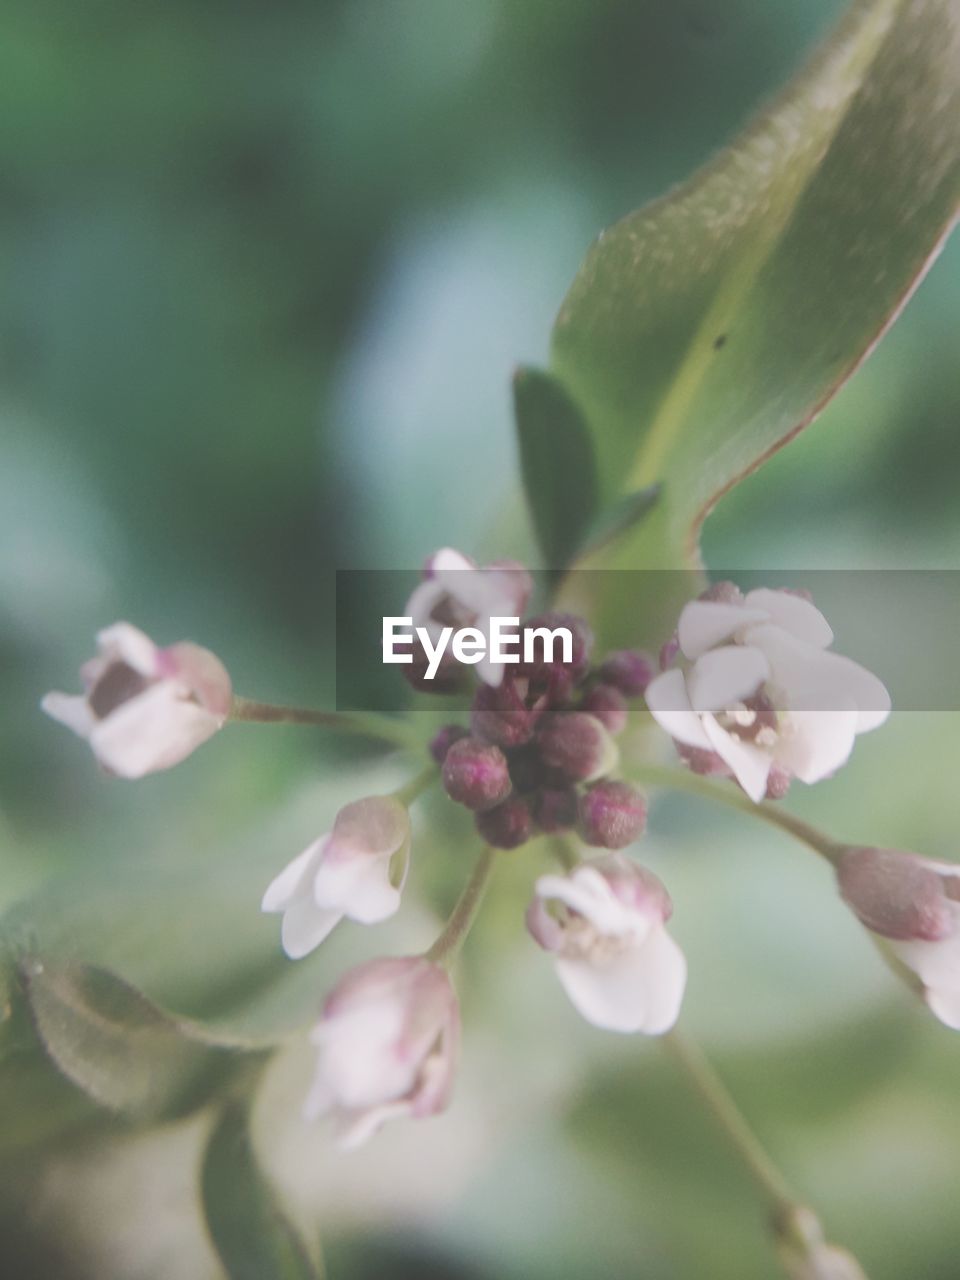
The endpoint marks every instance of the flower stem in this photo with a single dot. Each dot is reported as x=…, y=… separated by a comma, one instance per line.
x=364, y=724
x=725, y=793
x=445, y=949
x=718, y=1101
x=417, y=784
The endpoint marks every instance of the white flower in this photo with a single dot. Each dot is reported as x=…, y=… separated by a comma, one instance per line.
x=605, y=925
x=912, y=905
x=357, y=870
x=144, y=708
x=456, y=592
x=387, y=1042
x=762, y=693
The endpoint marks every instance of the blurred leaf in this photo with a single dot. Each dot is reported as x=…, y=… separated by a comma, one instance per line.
x=253, y=1237
x=619, y=518
x=122, y=1050
x=705, y=330
x=556, y=457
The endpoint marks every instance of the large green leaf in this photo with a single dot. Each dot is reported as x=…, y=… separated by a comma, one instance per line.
x=705, y=330
x=252, y=1235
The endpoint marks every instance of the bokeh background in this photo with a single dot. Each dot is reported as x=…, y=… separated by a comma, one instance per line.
x=266, y=271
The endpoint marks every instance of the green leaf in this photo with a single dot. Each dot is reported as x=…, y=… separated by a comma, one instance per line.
x=556, y=459
x=254, y=1239
x=113, y=1043
x=705, y=330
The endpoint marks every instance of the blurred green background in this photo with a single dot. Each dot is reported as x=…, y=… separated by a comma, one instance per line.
x=266, y=271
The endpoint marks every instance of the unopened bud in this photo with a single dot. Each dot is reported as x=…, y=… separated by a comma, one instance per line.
x=577, y=745
x=628, y=670
x=722, y=593
x=444, y=739
x=612, y=815
x=580, y=649
x=500, y=714
x=555, y=809
x=895, y=894
x=476, y=774
x=608, y=705
x=507, y=826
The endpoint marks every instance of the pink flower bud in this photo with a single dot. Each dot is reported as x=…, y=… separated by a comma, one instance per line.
x=443, y=740
x=612, y=815
x=895, y=894
x=577, y=745
x=608, y=705
x=475, y=774
x=145, y=708
x=357, y=871
x=913, y=905
x=387, y=1046
x=628, y=670
x=507, y=826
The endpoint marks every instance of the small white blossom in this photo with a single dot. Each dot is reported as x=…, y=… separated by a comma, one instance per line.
x=604, y=923
x=912, y=905
x=456, y=592
x=144, y=708
x=356, y=870
x=761, y=694
x=387, y=1046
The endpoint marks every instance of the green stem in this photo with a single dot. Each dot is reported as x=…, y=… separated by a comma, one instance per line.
x=364, y=724
x=450, y=940
x=718, y=1101
x=725, y=793
x=417, y=784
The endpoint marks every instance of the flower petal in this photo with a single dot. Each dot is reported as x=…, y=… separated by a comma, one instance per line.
x=354, y=1128
x=723, y=677
x=669, y=704
x=283, y=888
x=154, y=730
x=794, y=614
x=131, y=646
x=586, y=891
x=705, y=623
x=750, y=763
x=639, y=990
x=305, y=926
x=937, y=965
x=358, y=886
x=814, y=680
x=71, y=710
x=814, y=744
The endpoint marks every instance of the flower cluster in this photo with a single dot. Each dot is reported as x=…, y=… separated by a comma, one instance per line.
x=748, y=688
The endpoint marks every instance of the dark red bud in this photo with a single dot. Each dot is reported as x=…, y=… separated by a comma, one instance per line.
x=608, y=705
x=444, y=739
x=628, y=670
x=475, y=774
x=612, y=815
x=507, y=826
x=577, y=744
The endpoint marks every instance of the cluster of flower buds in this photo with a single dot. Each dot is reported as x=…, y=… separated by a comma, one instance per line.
x=540, y=746
x=749, y=689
